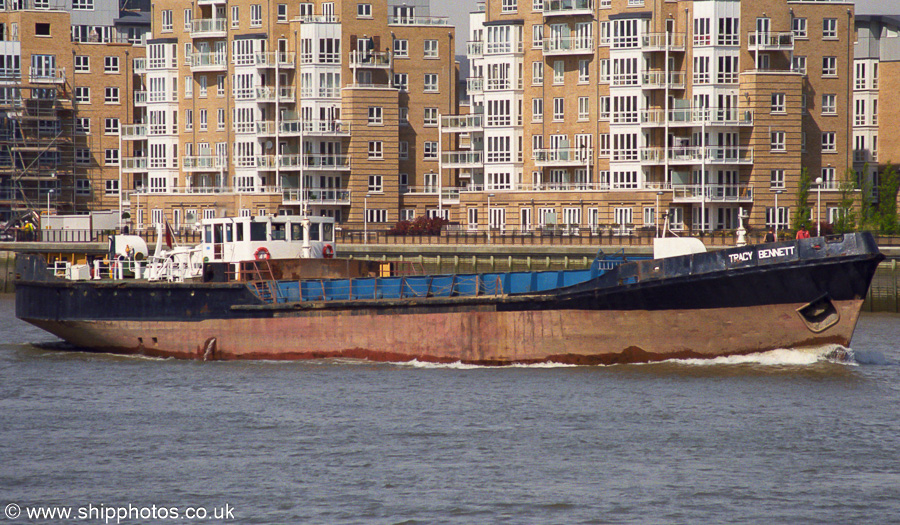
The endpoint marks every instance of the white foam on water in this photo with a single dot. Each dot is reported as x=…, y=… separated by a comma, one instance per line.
x=457, y=365
x=780, y=357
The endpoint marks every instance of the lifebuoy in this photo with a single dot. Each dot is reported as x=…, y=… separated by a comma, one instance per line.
x=262, y=254
x=328, y=251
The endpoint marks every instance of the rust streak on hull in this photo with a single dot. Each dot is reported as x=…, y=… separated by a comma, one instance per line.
x=484, y=337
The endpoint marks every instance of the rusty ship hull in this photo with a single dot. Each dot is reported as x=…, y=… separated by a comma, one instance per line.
x=743, y=300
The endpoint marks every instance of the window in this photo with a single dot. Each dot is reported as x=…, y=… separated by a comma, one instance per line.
x=235, y=17
x=537, y=73
x=112, y=187
x=401, y=48
x=375, y=116
x=728, y=70
x=203, y=120
x=702, y=34
x=778, y=143
x=559, y=71
x=111, y=156
x=83, y=95
x=83, y=125
x=431, y=49
x=583, y=108
x=584, y=71
x=111, y=95
x=559, y=108
x=431, y=117
x=82, y=64
x=166, y=15
x=82, y=187
x=537, y=36
x=220, y=119
x=403, y=114
x=376, y=215
x=376, y=184
x=431, y=150
x=798, y=64
x=82, y=156
x=829, y=104
x=729, y=32
x=401, y=81
x=376, y=149
x=829, y=144
x=220, y=85
x=798, y=27
x=42, y=29
x=111, y=64
x=188, y=119
x=829, y=28
x=255, y=15
x=537, y=110
x=111, y=126
x=82, y=4
x=828, y=179
x=778, y=104
x=776, y=179
x=431, y=82
x=403, y=150
x=509, y=6
x=282, y=13
x=859, y=115
x=829, y=66
x=203, y=86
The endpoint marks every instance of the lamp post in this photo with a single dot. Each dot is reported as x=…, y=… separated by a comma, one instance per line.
x=656, y=215
x=489, y=217
x=49, y=193
x=366, y=218
x=777, y=215
x=819, y=207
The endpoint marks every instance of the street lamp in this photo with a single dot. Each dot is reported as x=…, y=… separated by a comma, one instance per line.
x=366, y=218
x=656, y=216
x=489, y=217
x=49, y=193
x=819, y=207
x=777, y=215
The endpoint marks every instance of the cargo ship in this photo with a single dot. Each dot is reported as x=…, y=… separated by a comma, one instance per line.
x=268, y=288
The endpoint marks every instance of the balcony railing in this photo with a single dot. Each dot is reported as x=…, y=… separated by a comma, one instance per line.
x=461, y=123
x=317, y=196
x=207, y=61
x=662, y=41
x=697, y=117
x=133, y=131
x=370, y=59
x=657, y=80
x=562, y=156
x=474, y=48
x=314, y=162
x=204, y=163
x=770, y=41
x=140, y=66
x=208, y=27
x=132, y=164
x=274, y=58
x=140, y=98
x=267, y=94
x=712, y=193
x=571, y=45
x=568, y=7
x=42, y=75
x=418, y=21
x=697, y=155
x=474, y=85
x=462, y=159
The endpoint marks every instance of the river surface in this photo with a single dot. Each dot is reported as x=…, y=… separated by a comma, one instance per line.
x=781, y=437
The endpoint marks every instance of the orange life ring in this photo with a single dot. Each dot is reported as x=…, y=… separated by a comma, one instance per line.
x=262, y=254
x=328, y=251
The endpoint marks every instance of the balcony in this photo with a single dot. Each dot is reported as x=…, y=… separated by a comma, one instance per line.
x=728, y=155
x=317, y=196
x=207, y=62
x=134, y=164
x=462, y=123
x=690, y=117
x=204, y=163
x=662, y=42
x=657, y=80
x=133, y=132
x=562, y=156
x=318, y=162
x=208, y=28
x=462, y=159
x=474, y=48
x=274, y=59
x=770, y=41
x=140, y=66
x=568, y=7
x=710, y=193
x=140, y=98
x=47, y=75
x=503, y=84
x=474, y=85
x=572, y=45
x=286, y=94
x=370, y=59
x=418, y=21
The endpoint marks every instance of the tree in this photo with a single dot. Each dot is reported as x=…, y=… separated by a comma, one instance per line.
x=846, y=220
x=804, y=212
x=866, y=204
x=887, y=201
